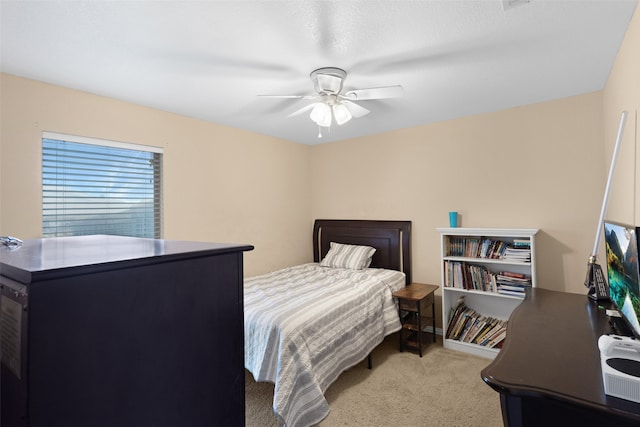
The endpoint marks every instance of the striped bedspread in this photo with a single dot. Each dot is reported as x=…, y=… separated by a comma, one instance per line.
x=305, y=325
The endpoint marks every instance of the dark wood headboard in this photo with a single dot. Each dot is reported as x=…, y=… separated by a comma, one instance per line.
x=392, y=240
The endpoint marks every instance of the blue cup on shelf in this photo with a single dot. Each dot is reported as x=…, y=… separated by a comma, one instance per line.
x=453, y=219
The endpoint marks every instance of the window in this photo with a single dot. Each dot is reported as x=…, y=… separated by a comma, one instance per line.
x=92, y=186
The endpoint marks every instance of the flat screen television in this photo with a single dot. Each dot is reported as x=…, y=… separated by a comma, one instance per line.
x=621, y=241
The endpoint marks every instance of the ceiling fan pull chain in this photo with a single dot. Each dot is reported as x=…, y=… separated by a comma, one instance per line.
x=319, y=132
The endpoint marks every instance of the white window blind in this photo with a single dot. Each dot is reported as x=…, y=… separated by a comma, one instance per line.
x=92, y=186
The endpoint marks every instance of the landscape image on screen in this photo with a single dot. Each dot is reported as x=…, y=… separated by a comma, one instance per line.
x=622, y=271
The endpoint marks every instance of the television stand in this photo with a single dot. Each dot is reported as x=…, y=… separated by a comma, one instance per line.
x=548, y=371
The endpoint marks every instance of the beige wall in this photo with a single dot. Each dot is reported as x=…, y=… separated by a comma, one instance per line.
x=538, y=166
x=622, y=93
x=220, y=184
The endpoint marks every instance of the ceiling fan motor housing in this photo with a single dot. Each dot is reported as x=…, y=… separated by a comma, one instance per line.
x=328, y=80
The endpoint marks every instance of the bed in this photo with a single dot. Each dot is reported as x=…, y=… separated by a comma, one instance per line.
x=306, y=324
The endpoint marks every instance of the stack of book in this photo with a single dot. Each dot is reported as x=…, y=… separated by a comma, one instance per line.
x=493, y=249
x=514, y=284
x=518, y=250
x=466, y=325
x=475, y=247
x=469, y=276
x=475, y=277
x=462, y=246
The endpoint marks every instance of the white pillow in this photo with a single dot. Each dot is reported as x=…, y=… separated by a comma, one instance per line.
x=355, y=257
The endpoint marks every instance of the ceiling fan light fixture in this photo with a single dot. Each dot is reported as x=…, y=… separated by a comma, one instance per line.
x=321, y=114
x=341, y=114
x=331, y=104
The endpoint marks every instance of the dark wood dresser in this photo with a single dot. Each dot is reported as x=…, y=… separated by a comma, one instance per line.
x=548, y=371
x=120, y=331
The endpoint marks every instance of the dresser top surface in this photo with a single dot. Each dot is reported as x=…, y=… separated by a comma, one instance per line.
x=39, y=256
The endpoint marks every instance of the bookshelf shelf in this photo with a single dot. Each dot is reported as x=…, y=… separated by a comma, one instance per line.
x=484, y=260
x=472, y=348
x=479, y=269
x=484, y=293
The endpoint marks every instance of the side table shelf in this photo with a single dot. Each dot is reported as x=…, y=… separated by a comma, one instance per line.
x=413, y=303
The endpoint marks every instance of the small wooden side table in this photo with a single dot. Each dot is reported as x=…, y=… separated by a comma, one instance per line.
x=413, y=302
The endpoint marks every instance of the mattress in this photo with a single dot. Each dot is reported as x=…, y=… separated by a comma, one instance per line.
x=305, y=325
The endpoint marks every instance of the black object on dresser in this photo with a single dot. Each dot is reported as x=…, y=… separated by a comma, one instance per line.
x=120, y=331
x=548, y=371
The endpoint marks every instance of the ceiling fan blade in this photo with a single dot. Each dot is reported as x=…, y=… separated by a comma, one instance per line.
x=375, y=93
x=289, y=96
x=303, y=109
x=355, y=109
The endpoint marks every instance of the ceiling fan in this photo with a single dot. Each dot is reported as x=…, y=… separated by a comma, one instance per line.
x=331, y=104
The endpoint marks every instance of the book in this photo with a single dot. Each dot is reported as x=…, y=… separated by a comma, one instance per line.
x=515, y=288
x=513, y=274
x=521, y=243
x=497, y=338
x=466, y=325
x=467, y=320
x=469, y=276
x=521, y=254
x=520, y=294
x=478, y=324
x=476, y=247
x=454, y=316
x=489, y=324
x=493, y=333
x=466, y=316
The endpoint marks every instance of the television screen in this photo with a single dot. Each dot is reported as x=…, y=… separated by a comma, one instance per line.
x=621, y=243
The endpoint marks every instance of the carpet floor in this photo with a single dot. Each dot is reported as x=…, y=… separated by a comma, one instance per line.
x=443, y=388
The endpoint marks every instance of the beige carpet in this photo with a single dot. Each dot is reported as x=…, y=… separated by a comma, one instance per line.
x=443, y=388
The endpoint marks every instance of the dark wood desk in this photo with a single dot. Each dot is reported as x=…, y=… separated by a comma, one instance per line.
x=548, y=371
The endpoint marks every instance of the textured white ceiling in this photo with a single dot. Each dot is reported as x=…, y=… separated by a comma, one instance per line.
x=209, y=59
